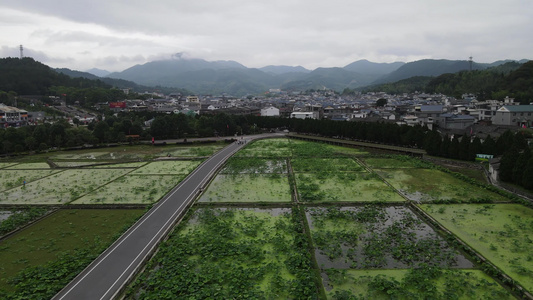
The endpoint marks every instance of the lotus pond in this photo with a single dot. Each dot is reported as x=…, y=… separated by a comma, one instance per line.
x=502, y=233
x=231, y=254
x=248, y=188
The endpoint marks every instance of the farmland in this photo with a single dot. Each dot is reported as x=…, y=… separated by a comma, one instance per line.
x=286, y=218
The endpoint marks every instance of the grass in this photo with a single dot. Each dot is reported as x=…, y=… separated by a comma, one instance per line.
x=502, y=233
x=255, y=165
x=430, y=184
x=395, y=162
x=329, y=165
x=278, y=147
x=347, y=187
x=168, y=167
x=15, y=178
x=398, y=284
x=248, y=188
x=37, y=165
x=62, y=231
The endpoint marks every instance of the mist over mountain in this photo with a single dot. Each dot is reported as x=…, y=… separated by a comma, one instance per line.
x=98, y=72
x=216, y=77
x=366, y=67
x=278, y=70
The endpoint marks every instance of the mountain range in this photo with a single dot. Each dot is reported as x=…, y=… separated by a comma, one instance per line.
x=230, y=77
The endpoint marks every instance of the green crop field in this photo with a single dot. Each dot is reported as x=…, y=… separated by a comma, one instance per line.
x=248, y=188
x=430, y=184
x=347, y=187
x=48, y=242
x=420, y=283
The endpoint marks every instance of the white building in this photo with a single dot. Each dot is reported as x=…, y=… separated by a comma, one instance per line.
x=304, y=115
x=270, y=112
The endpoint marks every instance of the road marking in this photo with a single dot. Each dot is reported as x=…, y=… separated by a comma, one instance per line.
x=113, y=247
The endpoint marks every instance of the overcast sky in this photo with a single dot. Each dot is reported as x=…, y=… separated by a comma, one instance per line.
x=117, y=34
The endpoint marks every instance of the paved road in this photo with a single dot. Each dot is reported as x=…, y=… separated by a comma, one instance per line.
x=106, y=276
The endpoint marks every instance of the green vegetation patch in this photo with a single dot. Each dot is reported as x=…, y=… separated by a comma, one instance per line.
x=432, y=185
x=348, y=186
x=248, y=188
x=29, y=166
x=231, y=254
x=502, y=233
x=395, y=162
x=15, y=178
x=342, y=150
x=419, y=283
x=168, y=167
x=327, y=165
x=5, y=165
x=374, y=236
x=61, y=187
x=132, y=189
x=52, y=240
x=266, y=148
x=310, y=149
x=192, y=151
x=242, y=165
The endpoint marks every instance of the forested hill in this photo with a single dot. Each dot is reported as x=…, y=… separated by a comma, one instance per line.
x=28, y=77
x=510, y=79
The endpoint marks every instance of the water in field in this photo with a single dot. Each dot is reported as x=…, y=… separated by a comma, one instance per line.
x=378, y=238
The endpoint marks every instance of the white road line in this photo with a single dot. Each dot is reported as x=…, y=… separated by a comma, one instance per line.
x=137, y=225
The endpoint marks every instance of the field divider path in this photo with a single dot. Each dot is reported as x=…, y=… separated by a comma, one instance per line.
x=109, y=274
x=370, y=171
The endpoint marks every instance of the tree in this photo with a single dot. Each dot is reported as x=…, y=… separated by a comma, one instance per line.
x=507, y=164
x=527, y=176
x=100, y=130
x=518, y=170
x=381, y=102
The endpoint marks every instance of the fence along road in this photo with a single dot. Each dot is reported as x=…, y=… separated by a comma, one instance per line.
x=105, y=277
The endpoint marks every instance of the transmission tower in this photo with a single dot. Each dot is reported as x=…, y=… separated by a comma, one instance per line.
x=21, y=52
x=470, y=61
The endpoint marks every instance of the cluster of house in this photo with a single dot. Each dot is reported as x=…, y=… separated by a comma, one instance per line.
x=411, y=109
x=443, y=112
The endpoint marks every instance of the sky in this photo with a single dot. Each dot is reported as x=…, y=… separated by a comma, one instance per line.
x=116, y=34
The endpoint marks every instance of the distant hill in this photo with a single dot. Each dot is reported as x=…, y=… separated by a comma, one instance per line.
x=214, y=77
x=278, y=70
x=121, y=83
x=29, y=77
x=370, y=68
x=428, y=67
x=330, y=78
x=511, y=79
x=98, y=72
x=152, y=73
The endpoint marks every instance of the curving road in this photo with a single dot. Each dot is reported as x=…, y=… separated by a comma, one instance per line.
x=105, y=277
